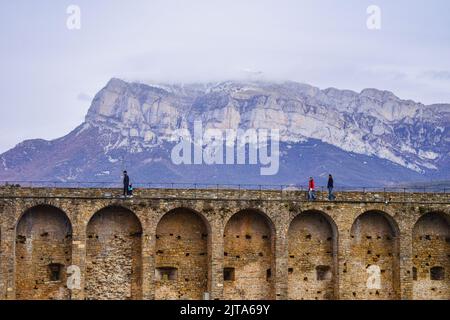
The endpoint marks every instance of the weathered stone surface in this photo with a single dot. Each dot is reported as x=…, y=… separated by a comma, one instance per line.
x=248, y=252
x=431, y=240
x=113, y=255
x=43, y=253
x=181, y=245
x=137, y=248
x=374, y=243
x=312, y=248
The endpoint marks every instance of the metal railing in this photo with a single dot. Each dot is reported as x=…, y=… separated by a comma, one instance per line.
x=194, y=185
x=251, y=191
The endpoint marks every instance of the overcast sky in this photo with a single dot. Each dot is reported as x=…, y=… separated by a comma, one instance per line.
x=49, y=74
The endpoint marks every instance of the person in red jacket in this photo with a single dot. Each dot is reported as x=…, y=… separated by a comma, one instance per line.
x=311, y=195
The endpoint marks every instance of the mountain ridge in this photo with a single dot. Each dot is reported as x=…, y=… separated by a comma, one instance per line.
x=129, y=119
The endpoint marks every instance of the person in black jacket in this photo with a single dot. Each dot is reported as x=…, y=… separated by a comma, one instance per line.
x=330, y=187
x=126, y=183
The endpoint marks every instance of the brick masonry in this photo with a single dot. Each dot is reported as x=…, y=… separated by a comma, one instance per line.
x=222, y=244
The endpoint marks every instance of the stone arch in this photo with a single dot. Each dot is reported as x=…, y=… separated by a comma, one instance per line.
x=431, y=249
x=182, y=255
x=114, y=255
x=312, y=257
x=43, y=251
x=249, y=259
x=373, y=265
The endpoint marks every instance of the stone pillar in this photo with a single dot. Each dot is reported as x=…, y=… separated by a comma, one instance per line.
x=148, y=263
x=7, y=263
x=2, y=259
x=281, y=264
x=78, y=256
x=8, y=254
x=405, y=266
x=149, y=226
x=343, y=277
x=216, y=260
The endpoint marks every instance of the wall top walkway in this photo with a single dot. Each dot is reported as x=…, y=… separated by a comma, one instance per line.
x=223, y=193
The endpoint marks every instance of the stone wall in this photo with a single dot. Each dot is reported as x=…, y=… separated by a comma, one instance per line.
x=222, y=244
x=248, y=256
x=181, y=256
x=431, y=249
x=42, y=254
x=113, y=255
x=373, y=255
x=312, y=257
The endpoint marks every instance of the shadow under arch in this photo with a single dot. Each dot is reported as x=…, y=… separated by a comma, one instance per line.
x=183, y=263
x=261, y=213
x=389, y=218
x=43, y=251
x=114, y=255
x=431, y=252
x=374, y=262
x=249, y=256
x=312, y=243
x=33, y=207
x=432, y=216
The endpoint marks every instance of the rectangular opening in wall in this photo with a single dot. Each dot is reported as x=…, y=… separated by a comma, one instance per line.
x=414, y=273
x=55, y=271
x=323, y=273
x=166, y=273
x=268, y=274
x=437, y=273
x=228, y=274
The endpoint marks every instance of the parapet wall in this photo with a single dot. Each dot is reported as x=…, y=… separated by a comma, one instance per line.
x=222, y=244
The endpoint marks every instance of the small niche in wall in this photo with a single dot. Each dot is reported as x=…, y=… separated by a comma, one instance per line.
x=166, y=273
x=323, y=273
x=55, y=271
x=414, y=273
x=228, y=274
x=268, y=274
x=437, y=273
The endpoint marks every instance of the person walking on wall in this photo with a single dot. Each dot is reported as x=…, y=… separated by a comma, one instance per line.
x=330, y=187
x=311, y=195
x=126, y=183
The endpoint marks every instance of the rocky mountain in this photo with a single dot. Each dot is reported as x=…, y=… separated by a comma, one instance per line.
x=370, y=138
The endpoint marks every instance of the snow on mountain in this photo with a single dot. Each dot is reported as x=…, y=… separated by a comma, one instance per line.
x=139, y=120
x=371, y=123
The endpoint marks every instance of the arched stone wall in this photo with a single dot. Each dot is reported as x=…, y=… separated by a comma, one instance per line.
x=121, y=277
x=373, y=265
x=312, y=254
x=249, y=261
x=182, y=255
x=431, y=250
x=114, y=255
x=43, y=251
